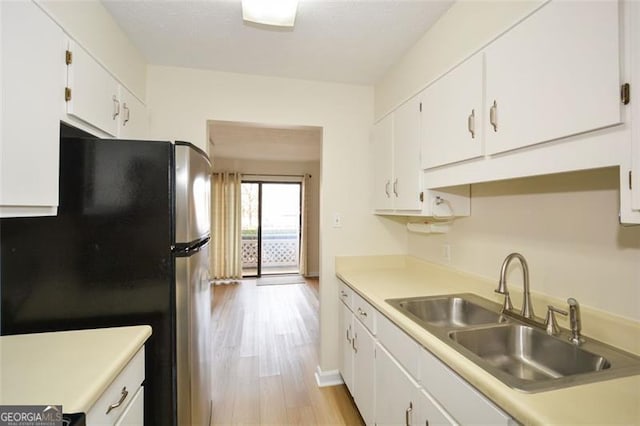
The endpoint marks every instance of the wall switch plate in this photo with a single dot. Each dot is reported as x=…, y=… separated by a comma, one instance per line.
x=337, y=220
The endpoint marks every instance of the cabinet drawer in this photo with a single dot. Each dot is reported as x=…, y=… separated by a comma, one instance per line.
x=463, y=402
x=364, y=312
x=130, y=380
x=403, y=348
x=345, y=293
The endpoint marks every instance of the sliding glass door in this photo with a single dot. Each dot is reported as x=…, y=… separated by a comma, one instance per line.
x=270, y=228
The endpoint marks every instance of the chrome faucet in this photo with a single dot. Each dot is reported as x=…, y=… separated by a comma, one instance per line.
x=575, y=321
x=527, y=308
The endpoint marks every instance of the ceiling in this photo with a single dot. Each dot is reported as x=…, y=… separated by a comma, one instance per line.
x=347, y=41
x=249, y=141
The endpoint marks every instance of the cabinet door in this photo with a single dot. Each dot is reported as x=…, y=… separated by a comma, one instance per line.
x=363, y=372
x=395, y=392
x=346, y=348
x=452, y=116
x=94, y=92
x=33, y=78
x=461, y=400
x=382, y=151
x=406, y=156
x=134, y=121
x=554, y=75
x=134, y=413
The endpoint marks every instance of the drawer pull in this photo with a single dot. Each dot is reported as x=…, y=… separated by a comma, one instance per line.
x=471, y=123
x=493, y=116
x=123, y=396
x=362, y=313
x=343, y=294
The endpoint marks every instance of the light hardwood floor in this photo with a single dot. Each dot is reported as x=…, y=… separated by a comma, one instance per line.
x=265, y=353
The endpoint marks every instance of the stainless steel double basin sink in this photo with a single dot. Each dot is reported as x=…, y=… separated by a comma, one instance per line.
x=521, y=356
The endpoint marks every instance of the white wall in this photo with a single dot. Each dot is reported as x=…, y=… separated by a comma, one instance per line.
x=182, y=100
x=565, y=225
x=288, y=168
x=89, y=23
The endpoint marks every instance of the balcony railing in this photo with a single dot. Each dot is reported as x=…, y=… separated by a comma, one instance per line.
x=280, y=252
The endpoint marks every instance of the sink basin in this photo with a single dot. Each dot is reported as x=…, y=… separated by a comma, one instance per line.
x=455, y=311
x=528, y=353
x=521, y=356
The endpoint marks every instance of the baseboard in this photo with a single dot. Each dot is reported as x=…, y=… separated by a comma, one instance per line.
x=328, y=378
x=313, y=275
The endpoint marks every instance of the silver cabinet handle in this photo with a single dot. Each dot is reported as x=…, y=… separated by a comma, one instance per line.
x=123, y=396
x=353, y=343
x=407, y=414
x=126, y=114
x=471, y=123
x=362, y=313
x=343, y=294
x=493, y=116
x=116, y=107
x=395, y=187
x=386, y=188
x=348, y=337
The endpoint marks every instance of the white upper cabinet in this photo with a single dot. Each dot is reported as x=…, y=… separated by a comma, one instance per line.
x=554, y=75
x=95, y=98
x=396, y=159
x=32, y=82
x=406, y=156
x=382, y=153
x=94, y=93
x=452, y=116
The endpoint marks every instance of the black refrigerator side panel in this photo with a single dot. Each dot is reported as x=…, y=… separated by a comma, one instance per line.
x=105, y=260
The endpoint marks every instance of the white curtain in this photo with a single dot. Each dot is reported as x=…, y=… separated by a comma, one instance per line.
x=226, y=247
x=304, y=225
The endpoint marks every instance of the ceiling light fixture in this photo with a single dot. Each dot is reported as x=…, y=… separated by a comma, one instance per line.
x=280, y=13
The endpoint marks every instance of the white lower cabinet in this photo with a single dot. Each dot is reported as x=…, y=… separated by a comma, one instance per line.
x=346, y=348
x=122, y=402
x=462, y=401
x=395, y=381
x=363, y=372
x=357, y=351
x=400, y=399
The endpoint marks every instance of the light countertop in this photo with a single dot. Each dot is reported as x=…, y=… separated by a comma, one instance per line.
x=68, y=368
x=615, y=401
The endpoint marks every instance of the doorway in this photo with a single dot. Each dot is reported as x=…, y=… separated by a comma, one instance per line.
x=270, y=223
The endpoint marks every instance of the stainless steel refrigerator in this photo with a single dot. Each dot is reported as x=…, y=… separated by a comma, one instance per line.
x=130, y=245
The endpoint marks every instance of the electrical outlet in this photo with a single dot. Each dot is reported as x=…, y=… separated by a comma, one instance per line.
x=337, y=220
x=446, y=253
